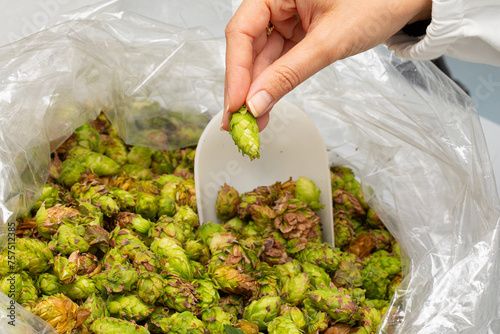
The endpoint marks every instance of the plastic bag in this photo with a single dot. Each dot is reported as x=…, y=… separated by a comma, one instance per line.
x=412, y=137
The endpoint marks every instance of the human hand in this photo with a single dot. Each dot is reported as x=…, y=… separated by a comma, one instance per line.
x=308, y=36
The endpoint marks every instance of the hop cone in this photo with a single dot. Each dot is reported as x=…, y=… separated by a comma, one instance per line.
x=321, y=254
x=64, y=269
x=307, y=192
x=81, y=288
x=115, y=149
x=108, y=325
x=283, y=325
x=48, y=284
x=296, y=221
x=117, y=279
x=38, y=256
x=348, y=274
x=294, y=289
x=228, y=199
x=49, y=220
x=61, y=313
x=295, y=314
x=150, y=287
x=133, y=222
x=49, y=196
x=215, y=319
x=185, y=323
x=96, y=306
x=343, y=228
x=140, y=156
x=319, y=278
x=129, y=307
x=245, y=132
x=179, y=295
x=208, y=295
x=262, y=311
x=337, y=303
x=232, y=304
x=69, y=239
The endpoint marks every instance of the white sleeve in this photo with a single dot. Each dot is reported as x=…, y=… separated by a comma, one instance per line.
x=463, y=29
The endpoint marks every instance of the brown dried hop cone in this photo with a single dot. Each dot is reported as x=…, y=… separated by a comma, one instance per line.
x=274, y=252
x=296, y=221
x=344, y=200
x=62, y=313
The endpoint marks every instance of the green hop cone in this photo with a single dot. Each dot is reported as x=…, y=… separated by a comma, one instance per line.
x=37, y=254
x=19, y=287
x=295, y=314
x=216, y=319
x=228, y=199
x=166, y=227
x=146, y=205
x=150, y=287
x=48, y=284
x=123, y=198
x=96, y=306
x=49, y=196
x=141, y=156
x=116, y=150
x=133, y=222
x=283, y=325
x=337, y=303
x=262, y=311
x=49, y=220
x=307, y=192
x=64, y=269
x=319, y=278
x=118, y=279
x=232, y=304
x=343, y=228
x=208, y=295
x=69, y=239
x=127, y=242
x=109, y=325
x=245, y=132
x=129, y=307
x=207, y=231
x=100, y=164
x=88, y=137
x=137, y=172
x=81, y=288
x=321, y=254
x=185, y=323
x=71, y=171
x=197, y=251
x=294, y=289
x=179, y=295
x=166, y=206
x=186, y=215
x=173, y=257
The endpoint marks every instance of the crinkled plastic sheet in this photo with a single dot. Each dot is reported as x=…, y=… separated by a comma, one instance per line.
x=410, y=134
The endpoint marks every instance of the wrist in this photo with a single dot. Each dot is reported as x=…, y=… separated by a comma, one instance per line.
x=423, y=11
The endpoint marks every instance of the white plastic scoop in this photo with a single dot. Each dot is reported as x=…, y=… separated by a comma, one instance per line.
x=291, y=146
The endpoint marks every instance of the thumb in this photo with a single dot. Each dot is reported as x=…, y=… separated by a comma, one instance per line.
x=303, y=60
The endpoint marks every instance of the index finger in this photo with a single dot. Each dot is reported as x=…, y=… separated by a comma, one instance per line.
x=249, y=21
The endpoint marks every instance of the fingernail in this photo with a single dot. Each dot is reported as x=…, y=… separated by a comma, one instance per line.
x=260, y=103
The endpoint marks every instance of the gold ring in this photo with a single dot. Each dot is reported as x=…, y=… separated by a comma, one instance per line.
x=269, y=28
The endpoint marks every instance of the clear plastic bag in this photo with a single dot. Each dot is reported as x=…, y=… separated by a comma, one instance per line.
x=413, y=138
